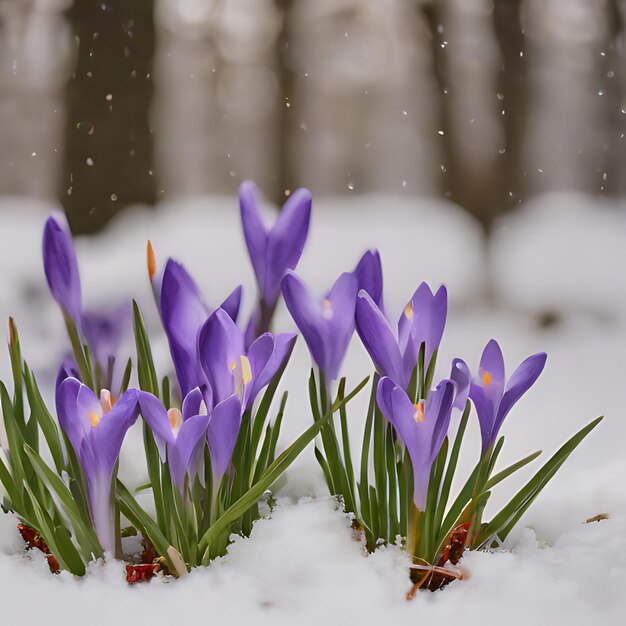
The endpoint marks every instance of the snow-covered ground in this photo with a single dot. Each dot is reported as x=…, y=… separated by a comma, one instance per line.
x=560, y=254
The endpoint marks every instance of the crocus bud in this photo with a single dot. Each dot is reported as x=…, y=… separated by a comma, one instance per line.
x=61, y=266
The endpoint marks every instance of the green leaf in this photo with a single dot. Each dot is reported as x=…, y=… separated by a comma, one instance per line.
x=44, y=419
x=146, y=371
x=451, y=469
x=9, y=486
x=511, y=469
x=504, y=521
x=80, y=354
x=276, y=469
x=142, y=521
x=57, y=541
x=83, y=527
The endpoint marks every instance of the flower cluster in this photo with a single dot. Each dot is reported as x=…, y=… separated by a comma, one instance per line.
x=210, y=443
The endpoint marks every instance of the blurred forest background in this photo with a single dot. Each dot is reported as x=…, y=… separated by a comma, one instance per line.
x=108, y=103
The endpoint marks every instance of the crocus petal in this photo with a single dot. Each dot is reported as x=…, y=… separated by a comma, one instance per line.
x=485, y=413
x=285, y=242
x=342, y=298
x=397, y=407
x=109, y=434
x=250, y=334
x=99, y=494
x=220, y=345
x=254, y=230
x=104, y=330
x=429, y=319
x=492, y=369
x=183, y=312
x=75, y=425
x=437, y=412
x=222, y=434
x=369, y=273
x=193, y=404
x=378, y=339
x=181, y=451
x=460, y=375
x=521, y=381
x=307, y=314
x=157, y=419
x=232, y=303
x=61, y=266
x=259, y=354
x=68, y=369
x=282, y=349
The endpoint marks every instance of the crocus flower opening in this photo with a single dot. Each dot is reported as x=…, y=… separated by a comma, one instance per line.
x=422, y=321
x=327, y=324
x=421, y=426
x=274, y=250
x=183, y=312
x=96, y=429
x=178, y=435
x=61, y=266
x=231, y=369
x=493, y=396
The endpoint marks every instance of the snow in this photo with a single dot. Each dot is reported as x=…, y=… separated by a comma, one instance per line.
x=302, y=564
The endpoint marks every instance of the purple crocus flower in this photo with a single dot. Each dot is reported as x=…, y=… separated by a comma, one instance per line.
x=276, y=250
x=369, y=272
x=96, y=430
x=183, y=313
x=422, y=426
x=222, y=435
x=326, y=325
x=460, y=375
x=105, y=330
x=233, y=370
x=422, y=321
x=493, y=396
x=178, y=435
x=61, y=266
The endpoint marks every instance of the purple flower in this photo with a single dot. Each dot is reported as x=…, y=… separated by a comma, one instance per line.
x=369, y=272
x=462, y=378
x=96, y=430
x=222, y=435
x=183, y=313
x=276, y=250
x=493, y=396
x=233, y=370
x=422, y=321
x=105, y=330
x=326, y=325
x=178, y=435
x=61, y=266
x=422, y=426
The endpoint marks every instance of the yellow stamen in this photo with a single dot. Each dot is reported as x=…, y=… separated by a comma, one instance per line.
x=94, y=418
x=487, y=378
x=328, y=308
x=151, y=261
x=233, y=366
x=408, y=310
x=176, y=419
x=419, y=412
x=246, y=370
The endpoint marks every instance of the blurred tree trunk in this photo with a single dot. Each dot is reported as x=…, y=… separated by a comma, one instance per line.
x=108, y=161
x=511, y=86
x=468, y=60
